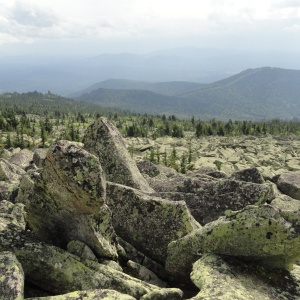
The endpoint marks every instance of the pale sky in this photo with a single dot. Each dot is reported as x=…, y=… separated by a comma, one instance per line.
x=141, y=26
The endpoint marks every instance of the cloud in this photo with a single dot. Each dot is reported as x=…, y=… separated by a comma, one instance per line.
x=33, y=15
x=287, y=3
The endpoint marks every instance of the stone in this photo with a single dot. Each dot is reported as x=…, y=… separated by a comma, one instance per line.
x=22, y=158
x=57, y=271
x=164, y=294
x=221, y=278
x=9, y=172
x=104, y=294
x=11, y=277
x=289, y=184
x=39, y=157
x=147, y=222
x=249, y=175
x=138, y=271
x=104, y=140
x=208, y=198
x=148, y=168
x=81, y=250
x=263, y=234
x=66, y=200
x=15, y=212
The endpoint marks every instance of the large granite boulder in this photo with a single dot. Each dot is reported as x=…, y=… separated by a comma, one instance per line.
x=57, y=271
x=263, y=234
x=249, y=175
x=289, y=184
x=147, y=222
x=11, y=277
x=104, y=294
x=66, y=201
x=22, y=159
x=104, y=140
x=220, y=278
x=10, y=175
x=208, y=198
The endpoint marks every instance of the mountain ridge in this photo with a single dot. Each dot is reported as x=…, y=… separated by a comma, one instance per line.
x=258, y=93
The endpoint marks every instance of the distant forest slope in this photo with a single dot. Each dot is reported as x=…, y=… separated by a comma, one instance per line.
x=254, y=94
x=170, y=88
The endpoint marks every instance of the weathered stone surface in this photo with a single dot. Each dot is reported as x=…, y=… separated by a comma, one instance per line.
x=164, y=294
x=289, y=184
x=14, y=212
x=221, y=278
x=22, y=158
x=39, y=157
x=249, y=175
x=148, y=168
x=104, y=140
x=11, y=277
x=130, y=253
x=262, y=234
x=89, y=295
x=148, y=223
x=58, y=271
x=66, y=201
x=208, y=198
x=138, y=271
x=9, y=171
x=81, y=250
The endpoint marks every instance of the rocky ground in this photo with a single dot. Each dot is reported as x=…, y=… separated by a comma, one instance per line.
x=89, y=221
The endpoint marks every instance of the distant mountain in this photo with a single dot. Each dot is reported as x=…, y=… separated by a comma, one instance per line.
x=171, y=88
x=65, y=75
x=262, y=93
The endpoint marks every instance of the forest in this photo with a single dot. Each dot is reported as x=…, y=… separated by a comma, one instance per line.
x=31, y=120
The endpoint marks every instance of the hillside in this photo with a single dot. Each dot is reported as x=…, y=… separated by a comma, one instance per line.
x=137, y=101
x=263, y=93
x=169, y=88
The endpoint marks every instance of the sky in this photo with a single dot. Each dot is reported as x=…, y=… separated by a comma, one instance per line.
x=89, y=27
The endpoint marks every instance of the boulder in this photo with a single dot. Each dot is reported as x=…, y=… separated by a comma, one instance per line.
x=148, y=168
x=289, y=184
x=222, y=278
x=66, y=201
x=81, y=250
x=263, y=234
x=22, y=158
x=147, y=222
x=208, y=198
x=104, y=294
x=57, y=271
x=249, y=175
x=10, y=175
x=39, y=157
x=104, y=140
x=164, y=294
x=138, y=271
x=11, y=277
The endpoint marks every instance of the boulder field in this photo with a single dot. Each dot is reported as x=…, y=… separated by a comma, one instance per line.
x=85, y=221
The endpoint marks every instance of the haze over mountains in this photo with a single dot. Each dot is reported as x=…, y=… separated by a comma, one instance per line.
x=68, y=74
x=205, y=83
x=254, y=94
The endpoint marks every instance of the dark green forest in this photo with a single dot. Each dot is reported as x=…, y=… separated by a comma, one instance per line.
x=30, y=117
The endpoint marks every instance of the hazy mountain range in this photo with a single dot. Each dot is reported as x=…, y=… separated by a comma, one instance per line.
x=261, y=93
x=65, y=75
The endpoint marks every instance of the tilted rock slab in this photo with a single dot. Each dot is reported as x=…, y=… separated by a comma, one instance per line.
x=221, y=278
x=104, y=140
x=147, y=222
x=11, y=277
x=262, y=234
x=88, y=295
x=289, y=184
x=208, y=198
x=67, y=200
x=57, y=271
